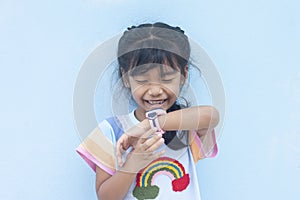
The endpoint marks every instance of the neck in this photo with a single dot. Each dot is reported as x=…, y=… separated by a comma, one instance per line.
x=140, y=114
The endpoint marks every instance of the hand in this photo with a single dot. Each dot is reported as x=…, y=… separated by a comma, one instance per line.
x=143, y=152
x=130, y=138
x=124, y=142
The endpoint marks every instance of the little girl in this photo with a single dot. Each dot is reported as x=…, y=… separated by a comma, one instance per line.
x=151, y=152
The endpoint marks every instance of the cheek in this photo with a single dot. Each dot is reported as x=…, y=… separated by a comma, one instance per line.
x=174, y=88
x=137, y=92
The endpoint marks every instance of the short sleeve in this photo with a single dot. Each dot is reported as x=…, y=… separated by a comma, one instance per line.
x=97, y=149
x=204, y=147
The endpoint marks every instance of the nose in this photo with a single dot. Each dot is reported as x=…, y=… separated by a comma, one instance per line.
x=155, y=90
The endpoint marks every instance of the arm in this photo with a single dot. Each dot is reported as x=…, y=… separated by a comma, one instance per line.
x=106, y=182
x=116, y=186
x=203, y=119
x=200, y=118
x=193, y=118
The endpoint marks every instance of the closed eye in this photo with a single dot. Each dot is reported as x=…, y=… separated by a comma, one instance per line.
x=141, y=81
x=167, y=80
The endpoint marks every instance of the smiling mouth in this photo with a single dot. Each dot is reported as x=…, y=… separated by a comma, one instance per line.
x=152, y=102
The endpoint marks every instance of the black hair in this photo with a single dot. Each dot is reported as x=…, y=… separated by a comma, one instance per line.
x=153, y=43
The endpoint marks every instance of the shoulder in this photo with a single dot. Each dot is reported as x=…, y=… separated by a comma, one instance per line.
x=115, y=124
x=118, y=124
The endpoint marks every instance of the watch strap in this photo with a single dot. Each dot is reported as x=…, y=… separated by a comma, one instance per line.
x=153, y=120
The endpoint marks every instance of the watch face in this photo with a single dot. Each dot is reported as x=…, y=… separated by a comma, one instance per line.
x=152, y=115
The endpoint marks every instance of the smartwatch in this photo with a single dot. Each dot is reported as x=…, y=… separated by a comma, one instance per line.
x=152, y=115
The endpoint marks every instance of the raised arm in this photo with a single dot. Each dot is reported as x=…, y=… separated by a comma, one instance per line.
x=193, y=118
x=200, y=118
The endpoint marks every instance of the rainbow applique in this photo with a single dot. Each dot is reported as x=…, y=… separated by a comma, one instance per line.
x=145, y=188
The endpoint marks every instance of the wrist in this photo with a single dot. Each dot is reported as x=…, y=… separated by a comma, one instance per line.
x=132, y=165
x=152, y=116
x=145, y=124
x=128, y=170
x=162, y=121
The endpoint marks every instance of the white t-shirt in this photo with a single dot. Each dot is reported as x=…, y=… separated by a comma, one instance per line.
x=172, y=176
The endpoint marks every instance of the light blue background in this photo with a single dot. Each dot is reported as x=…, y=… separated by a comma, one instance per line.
x=254, y=44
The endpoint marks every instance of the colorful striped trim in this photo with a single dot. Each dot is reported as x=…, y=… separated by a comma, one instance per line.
x=198, y=151
x=92, y=161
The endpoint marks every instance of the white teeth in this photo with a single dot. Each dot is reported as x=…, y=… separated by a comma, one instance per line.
x=156, y=102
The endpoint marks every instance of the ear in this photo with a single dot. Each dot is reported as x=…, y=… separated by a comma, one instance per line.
x=125, y=79
x=185, y=75
x=126, y=82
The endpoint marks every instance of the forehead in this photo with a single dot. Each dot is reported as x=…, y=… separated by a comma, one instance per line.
x=153, y=68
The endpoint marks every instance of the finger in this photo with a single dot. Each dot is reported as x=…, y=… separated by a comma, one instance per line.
x=120, y=150
x=155, y=144
x=146, y=135
x=151, y=143
x=119, y=155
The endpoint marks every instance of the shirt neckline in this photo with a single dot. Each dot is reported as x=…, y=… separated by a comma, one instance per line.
x=133, y=118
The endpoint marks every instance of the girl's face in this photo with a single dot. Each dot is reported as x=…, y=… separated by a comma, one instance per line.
x=157, y=87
